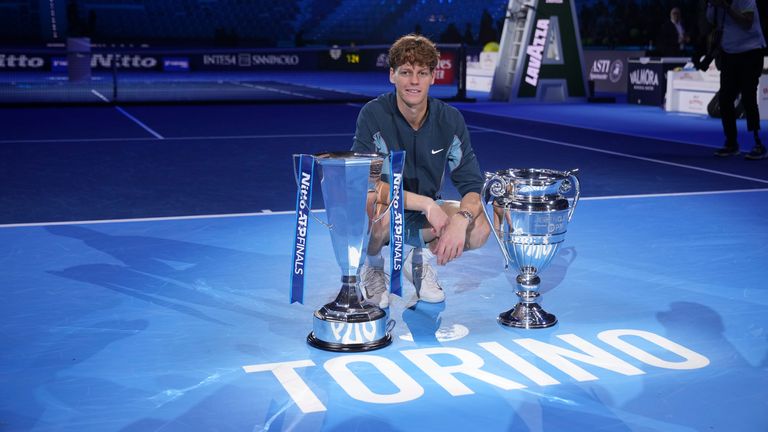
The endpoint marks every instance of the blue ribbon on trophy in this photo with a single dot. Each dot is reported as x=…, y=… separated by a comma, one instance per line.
x=303, y=206
x=397, y=226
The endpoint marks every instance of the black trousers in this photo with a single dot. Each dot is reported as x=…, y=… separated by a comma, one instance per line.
x=739, y=73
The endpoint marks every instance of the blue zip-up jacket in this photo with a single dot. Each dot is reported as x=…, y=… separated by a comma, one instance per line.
x=442, y=139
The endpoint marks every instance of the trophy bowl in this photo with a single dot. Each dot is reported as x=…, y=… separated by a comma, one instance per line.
x=529, y=214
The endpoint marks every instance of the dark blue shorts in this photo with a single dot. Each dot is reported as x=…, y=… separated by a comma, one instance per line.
x=414, y=223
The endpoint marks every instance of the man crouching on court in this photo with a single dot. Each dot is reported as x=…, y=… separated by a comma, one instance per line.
x=433, y=134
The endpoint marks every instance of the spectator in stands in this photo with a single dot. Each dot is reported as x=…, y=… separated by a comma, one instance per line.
x=298, y=39
x=469, y=38
x=741, y=64
x=487, y=30
x=451, y=34
x=672, y=35
x=434, y=135
x=92, y=23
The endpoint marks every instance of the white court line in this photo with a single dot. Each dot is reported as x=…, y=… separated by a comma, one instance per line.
x=138, y=122
x=597, y=129
x=259, y=87
x=196, y=138
x=99, y=95
x=658, y=161
x=291, y=212
x=150, y=219
x=672, y=194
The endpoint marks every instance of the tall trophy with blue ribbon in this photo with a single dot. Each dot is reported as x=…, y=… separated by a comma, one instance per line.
x=351, y=183
x=529, y=214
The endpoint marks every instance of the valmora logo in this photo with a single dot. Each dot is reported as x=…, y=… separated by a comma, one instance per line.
x=644, y=77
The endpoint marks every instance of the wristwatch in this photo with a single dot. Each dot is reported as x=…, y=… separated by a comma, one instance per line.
x=467, y=215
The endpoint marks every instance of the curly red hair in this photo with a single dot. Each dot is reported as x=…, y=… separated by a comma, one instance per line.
x=414, y=49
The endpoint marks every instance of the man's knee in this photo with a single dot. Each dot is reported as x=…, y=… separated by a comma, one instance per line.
x=479, y=233
x=379, y=235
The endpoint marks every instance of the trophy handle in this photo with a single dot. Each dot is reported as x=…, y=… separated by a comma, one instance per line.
x=486, y=192
x=572, y=174
x=385, y=211
x=296, y=177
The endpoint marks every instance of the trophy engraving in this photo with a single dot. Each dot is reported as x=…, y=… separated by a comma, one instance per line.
x=529, y=215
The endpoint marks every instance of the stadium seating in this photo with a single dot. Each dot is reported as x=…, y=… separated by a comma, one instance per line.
x=247, y=22
x=19, y=21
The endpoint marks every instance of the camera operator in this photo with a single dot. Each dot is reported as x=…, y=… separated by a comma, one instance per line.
x=741, y=64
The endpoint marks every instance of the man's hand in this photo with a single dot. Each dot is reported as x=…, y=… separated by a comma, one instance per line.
x=451, y=244
x=437, y=218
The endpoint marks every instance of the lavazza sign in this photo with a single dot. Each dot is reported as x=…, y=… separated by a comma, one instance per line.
x=470, y=363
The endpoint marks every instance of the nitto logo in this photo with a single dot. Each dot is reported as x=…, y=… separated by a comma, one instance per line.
x=134, y=61
x=535, y=52
x=20, y=61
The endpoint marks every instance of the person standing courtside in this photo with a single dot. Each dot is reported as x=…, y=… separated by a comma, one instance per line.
x=672, y=35
x=433, y=135
x=741, y=64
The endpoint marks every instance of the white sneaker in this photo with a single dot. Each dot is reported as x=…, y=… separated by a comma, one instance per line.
x=427, y=286
x=373, y=283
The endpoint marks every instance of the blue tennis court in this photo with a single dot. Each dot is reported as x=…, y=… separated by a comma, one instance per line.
x=145, y=254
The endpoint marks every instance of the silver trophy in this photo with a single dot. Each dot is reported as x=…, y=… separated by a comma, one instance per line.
x=350, y=182
x=529, y=216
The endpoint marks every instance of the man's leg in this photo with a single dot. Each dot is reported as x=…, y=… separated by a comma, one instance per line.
x=752, y=69
x=729, y=89
x=419, y=266
x=374, y=281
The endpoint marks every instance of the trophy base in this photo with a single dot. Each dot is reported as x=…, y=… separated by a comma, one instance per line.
x=348, y=324
x=354, y=347
x=527, y=316
x=364, y=328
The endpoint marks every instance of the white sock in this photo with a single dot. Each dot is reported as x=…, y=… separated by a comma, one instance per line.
x=426, y=255
x=375, y=260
